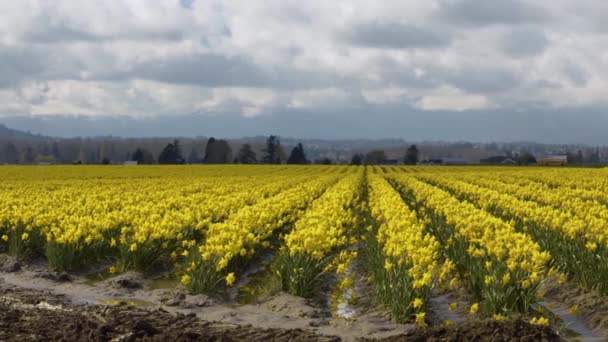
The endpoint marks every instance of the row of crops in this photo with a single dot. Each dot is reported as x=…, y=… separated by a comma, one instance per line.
x=411, y=233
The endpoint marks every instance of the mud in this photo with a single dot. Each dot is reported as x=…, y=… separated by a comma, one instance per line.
x=30, y=315
x=38, y=305
x=591, y=306
x=487, y=330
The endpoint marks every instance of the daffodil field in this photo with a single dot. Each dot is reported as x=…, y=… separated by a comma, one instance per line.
x=409, y=232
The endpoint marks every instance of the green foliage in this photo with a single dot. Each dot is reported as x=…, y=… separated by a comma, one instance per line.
x=393, y=288
x=273, y=151
x=297, y=155
x=171, y=154
x=203, y=276
x=24, y=242
x=217, y=152
x=301, y=274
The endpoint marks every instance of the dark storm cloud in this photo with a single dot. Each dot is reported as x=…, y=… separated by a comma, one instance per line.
x=395, y=35
x=489, y=12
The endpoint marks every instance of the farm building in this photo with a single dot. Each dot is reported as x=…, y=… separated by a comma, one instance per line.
x=554, y=161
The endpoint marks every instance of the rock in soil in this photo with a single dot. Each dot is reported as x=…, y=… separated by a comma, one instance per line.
x=129, y=280
x=61, y=277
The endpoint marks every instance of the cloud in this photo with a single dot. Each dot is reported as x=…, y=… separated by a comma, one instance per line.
x=395, y=35
x=271, y=61
x=451, y=99
x=524, y=42
x=490, y=12
x=482, y=78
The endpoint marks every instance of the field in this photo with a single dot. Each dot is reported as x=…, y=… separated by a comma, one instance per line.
x=307, y=252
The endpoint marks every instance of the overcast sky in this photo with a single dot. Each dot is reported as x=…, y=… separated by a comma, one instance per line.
x=432, y=69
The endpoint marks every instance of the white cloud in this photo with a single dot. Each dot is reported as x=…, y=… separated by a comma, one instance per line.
x=451, y=99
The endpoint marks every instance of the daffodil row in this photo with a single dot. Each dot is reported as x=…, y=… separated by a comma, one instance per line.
x=577, y=246
x=77, y=220
x=593, y=213
x=500, y=266
x=327, y=226
x=247, y=230
x=410, y=253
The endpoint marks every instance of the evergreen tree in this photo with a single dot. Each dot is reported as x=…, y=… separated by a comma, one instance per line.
x=297, y=155
x=11, y=155
x=411, y=155
x=218, y=152
x=29, y=157
x=142, y=156
x=247, y=155
x=171, y=154
x=357, y=159
x=273, y=151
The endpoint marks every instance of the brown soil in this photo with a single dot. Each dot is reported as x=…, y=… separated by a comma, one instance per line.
x=38, y=305
x=487, y=330
x=27, y=315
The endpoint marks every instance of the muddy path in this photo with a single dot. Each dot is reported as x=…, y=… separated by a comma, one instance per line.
x=39, y=305
x=32, y=315
x=80, y=296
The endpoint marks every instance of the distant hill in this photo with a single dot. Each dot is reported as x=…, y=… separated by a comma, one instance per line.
x=13, y=134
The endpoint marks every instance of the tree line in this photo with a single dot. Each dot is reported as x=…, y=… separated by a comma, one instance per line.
x=218, y=151
x=164, y=151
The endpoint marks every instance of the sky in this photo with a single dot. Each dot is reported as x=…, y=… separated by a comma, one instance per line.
x=480, y=70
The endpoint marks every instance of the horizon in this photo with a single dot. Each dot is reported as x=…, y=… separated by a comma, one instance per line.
x=305, y=139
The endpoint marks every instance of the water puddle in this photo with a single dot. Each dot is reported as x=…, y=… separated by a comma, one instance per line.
x=574, y=327
x=439, y=305
x=344, y=307
x=94, y=278
x=255, y=283
x=163, y=283
x=131, y=302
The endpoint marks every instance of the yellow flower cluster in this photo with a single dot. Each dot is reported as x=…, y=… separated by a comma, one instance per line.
x=505, y=261
x=487, y=234
x=555, y=208
x=326, y=223
x=79, y=209
x=249, y=227
x=401, y=234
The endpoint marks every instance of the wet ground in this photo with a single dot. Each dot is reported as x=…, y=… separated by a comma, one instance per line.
x=38, y=305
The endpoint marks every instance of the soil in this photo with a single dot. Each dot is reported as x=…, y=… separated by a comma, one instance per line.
x=486, y=330
x=30, y=315
x=38, y=305
x=590, y=304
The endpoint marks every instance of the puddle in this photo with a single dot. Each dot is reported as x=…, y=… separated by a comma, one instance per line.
x=163, y=283
x=132, y=302
x=259, y=286
x=345, y=309
x=439, y=305
x=95, y=278
x=255, y=283
x=574, y=327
